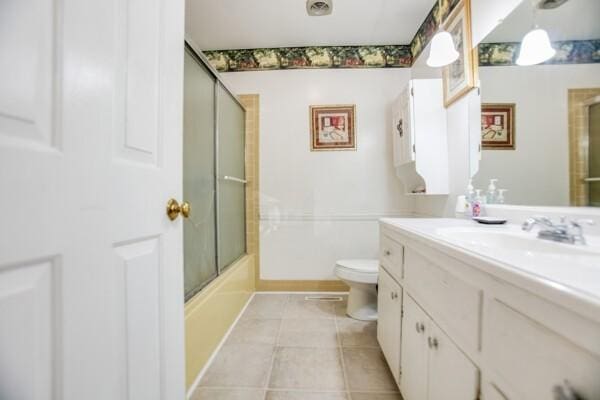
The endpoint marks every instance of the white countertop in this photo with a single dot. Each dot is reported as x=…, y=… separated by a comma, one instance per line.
x=570, y=276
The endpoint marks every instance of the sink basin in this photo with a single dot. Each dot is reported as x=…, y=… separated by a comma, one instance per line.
x=512, y=240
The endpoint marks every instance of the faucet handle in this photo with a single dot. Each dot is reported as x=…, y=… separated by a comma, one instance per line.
x=543, y=219
x=583, y=221
x=578, y=225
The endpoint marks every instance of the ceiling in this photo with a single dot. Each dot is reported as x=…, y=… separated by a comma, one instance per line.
x=574, y=20
x=244, y=24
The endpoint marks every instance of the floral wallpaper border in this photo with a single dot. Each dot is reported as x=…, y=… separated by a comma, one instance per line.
x=311, y=57
x=388, y=56
x=567, y=52
x=439, y=12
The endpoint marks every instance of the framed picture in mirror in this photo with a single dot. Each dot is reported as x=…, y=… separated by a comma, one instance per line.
x=460, y=76
x=498, y=126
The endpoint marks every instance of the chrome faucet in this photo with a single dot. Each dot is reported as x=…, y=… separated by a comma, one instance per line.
x=564, y=231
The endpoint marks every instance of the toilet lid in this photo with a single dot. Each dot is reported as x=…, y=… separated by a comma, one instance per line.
x=360, y=265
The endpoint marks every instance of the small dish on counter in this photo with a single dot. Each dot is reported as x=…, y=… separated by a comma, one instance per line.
x=490, y=220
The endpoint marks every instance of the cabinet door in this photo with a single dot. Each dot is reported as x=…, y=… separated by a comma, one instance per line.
x=389, y=304
x=406, y=115
x=452, y=376
x=534, y=360
x=414, y=351
x=398, y=132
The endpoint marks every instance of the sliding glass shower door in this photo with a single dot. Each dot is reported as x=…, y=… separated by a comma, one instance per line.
x=213, y=176
x=232, y=187
x=199, y=234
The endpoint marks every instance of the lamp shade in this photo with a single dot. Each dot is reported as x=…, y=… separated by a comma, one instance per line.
x=442, y=51
x=535, y=48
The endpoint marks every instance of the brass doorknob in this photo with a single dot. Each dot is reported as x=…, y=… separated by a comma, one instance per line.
x=174, y=209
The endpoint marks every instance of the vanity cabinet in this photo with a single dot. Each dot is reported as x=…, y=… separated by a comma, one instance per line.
x=389, y=306
x=461, y=328
x=433, y=367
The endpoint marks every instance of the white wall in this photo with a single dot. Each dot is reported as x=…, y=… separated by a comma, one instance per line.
x=317, y=207
x=537, y=172
x=487, y=14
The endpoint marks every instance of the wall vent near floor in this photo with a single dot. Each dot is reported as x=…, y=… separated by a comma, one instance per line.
x=324, y=298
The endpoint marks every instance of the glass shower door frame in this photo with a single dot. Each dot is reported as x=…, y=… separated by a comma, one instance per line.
x=220, y=88
x=590, y=180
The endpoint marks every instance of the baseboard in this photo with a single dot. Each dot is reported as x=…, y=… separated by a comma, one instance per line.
x=216, y=351
x=300, y=286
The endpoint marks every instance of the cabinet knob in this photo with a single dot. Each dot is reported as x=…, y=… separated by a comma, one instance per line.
x=394, y=295
x=433, y=343
x=387, y=253
x=420, y=327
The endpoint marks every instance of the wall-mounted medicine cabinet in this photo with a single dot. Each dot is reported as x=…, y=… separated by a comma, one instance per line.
x=420, y=137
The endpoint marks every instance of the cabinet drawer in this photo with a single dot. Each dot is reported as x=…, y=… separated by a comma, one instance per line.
x=534, y=359
x=391, y=256
x=455, y=304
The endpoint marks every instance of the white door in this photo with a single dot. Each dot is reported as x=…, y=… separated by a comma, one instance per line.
x=389, y=308
x=91, y=294
x=416, y=326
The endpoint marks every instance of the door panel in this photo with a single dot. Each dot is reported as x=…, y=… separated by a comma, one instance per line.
x=28, y=299
x=140, y=264
x=414, y=354
x=452, y=376
x=27, y=92
x=88, y=158
x=389, y=306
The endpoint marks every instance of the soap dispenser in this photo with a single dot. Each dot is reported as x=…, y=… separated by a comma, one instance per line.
x=491, y=191
x=501, y=197
x=470, y=195
x=476, y=204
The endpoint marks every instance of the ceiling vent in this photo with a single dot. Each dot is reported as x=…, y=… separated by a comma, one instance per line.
x=550, y=4
x=316, y=8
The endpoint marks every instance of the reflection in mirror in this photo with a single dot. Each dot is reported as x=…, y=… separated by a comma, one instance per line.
x=540, y=123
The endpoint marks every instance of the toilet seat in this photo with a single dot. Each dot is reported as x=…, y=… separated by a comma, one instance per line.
x=361, y=271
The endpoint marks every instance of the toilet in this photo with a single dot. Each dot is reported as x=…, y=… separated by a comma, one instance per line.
x=361, y=276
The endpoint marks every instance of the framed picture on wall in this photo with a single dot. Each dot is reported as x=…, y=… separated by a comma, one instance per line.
x=332, y=127
x=498, y=126
x=460, y=76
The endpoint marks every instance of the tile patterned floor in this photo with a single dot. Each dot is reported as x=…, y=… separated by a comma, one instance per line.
x=286, y=347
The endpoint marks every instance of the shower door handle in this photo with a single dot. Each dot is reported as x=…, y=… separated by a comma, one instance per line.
x=234, y=179
x=595, y=179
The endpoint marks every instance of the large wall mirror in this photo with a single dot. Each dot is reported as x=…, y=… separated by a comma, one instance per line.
x=541, y=123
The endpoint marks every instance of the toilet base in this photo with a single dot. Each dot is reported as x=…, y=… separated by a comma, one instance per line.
x=362, y=301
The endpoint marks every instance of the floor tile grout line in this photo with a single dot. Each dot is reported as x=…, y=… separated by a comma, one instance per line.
x=299, y=390
x=338, y=321
x=341, y=350
x=277, y=337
